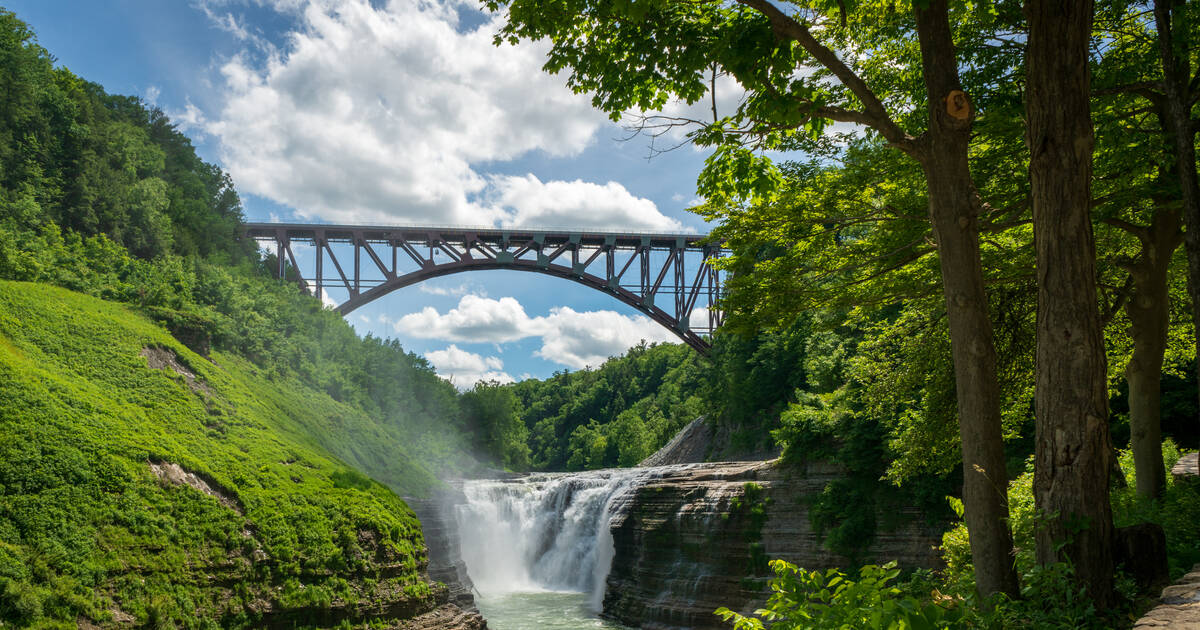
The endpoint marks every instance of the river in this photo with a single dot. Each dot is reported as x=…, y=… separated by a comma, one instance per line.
x=543, y=610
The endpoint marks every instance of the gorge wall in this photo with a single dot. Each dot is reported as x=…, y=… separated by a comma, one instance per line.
x=694, y=538
x=659, y=548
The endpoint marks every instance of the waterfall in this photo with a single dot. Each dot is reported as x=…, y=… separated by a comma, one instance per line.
x=542, y=532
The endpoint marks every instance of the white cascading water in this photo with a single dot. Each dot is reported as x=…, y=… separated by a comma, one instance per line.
x=542, y=532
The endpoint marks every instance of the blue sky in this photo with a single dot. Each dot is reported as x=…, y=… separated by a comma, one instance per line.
x=398, y=112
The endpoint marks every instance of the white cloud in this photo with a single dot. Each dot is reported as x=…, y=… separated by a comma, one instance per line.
x=475, y=319
x=569, y=337
x=456, y=291
x=386, y=114
x=586, y=339
x=464, y=369
x=529, y=201
x=190, y=119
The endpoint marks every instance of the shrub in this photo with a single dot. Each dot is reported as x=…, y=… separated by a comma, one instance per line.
x=828, y=599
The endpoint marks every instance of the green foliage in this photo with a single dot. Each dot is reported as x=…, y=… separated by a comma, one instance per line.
x=614, y=415
x=830, y=600
x=492, y=410
x=86, y=526
x=1050, y=595
x=278, y=408
x=95, y=163
x=1177, y=511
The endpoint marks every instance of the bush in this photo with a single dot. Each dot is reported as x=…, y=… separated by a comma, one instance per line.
x=818, y=600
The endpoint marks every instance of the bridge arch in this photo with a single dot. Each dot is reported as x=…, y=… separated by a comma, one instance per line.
x=649, y=272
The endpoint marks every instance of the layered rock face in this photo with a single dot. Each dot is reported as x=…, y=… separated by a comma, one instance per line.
x=690, y=445
x=692, y=539
x=442, y=540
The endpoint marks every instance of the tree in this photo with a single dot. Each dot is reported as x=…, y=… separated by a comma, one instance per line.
x=492, y=412
x=1145, y=199
x=1072, y=459
x=1176, y=98
x=796, y=85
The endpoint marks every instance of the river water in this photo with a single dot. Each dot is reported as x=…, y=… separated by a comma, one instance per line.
x=538, y=548
x=541, y=611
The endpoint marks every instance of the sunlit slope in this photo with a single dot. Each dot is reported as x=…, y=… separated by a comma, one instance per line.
x=90, y=531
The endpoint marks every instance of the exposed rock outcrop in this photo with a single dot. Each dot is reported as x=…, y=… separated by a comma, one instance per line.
x=438, y=525
x=690, y=445
x=697, y=538
x=446, y=617
x=1187, y=468
x=1179, y=607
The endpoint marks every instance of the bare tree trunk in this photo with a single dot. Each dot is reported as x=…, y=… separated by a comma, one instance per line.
x=1148, y=312
x=954, y=208
x=1173, y=46
x=1073, y=451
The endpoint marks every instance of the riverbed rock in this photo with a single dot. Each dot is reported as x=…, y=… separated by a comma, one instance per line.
x=691, y=540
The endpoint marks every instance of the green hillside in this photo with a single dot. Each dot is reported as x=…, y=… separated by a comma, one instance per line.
x=89, y=531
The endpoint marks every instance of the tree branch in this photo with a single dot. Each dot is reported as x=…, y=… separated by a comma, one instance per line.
x=874, y=114
x=1118, y=301
x=1140, y=232
x=1142, y=88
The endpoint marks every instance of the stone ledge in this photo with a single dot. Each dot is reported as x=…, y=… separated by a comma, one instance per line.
x=1180, y=607
x=1187, y=466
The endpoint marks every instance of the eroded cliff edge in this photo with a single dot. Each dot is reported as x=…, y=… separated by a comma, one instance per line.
x=691, y=539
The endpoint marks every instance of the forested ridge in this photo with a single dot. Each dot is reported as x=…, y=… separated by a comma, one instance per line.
x=186, y=440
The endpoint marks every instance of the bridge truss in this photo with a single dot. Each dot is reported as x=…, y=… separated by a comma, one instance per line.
x=668, y=277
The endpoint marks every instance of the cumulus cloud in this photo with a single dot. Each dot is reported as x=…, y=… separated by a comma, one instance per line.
x=475, y=319
x=464, y=369
x=529, y=201
x=569, y=337
x=385, y=112
x=582, y=339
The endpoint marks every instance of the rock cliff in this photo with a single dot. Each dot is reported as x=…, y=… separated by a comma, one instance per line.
x=442, y=540
x=693, y=539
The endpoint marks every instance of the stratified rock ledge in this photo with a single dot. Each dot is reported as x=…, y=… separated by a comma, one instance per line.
x=1188, y=467
x=1180, y=607
x=446, y=617
x=688, y=542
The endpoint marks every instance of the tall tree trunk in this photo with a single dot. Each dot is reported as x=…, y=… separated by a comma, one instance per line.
x=1170, y=18
x=1148, y=312
x=1073, y=447
x=954, y=209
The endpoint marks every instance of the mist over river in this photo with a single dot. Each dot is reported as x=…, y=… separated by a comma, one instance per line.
x=538, y=548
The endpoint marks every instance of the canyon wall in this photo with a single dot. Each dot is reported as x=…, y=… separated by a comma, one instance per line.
x=436, y=514
x=683, y=539
x=691, y=539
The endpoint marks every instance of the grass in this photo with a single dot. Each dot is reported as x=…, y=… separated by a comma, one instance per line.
x=88, y=531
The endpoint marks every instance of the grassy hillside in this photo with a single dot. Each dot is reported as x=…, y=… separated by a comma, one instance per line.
x=89, y=531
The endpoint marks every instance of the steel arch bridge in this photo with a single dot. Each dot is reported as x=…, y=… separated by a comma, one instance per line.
x=665, y=276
